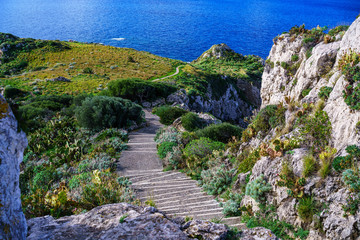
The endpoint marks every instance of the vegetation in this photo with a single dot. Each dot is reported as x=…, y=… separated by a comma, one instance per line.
x=100, y=112
x=139, y=90
x=222, y=132
x=257, y=189
x=191, y=121
x=325, y=92
x=306, y=208
x=168, y=114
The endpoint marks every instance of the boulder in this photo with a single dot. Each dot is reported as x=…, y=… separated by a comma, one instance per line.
x=12, y=145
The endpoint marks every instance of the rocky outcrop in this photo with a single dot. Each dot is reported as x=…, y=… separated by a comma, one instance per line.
x=229, y=107
x=122, y=221
x=12, y=145
x=216, y=51
x=291, y=70
x=294, y=74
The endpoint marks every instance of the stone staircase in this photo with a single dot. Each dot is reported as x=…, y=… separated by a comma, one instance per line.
x=172, y=192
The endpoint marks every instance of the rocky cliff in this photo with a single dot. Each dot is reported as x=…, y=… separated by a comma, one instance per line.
x=312, y=75
x=295, y=68
x=12, y=145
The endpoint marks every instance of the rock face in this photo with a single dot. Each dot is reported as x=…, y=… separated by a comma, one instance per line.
x=121, y=221
x=284, y=80
x=311, y=73
x=229, y=107
x=12, y=145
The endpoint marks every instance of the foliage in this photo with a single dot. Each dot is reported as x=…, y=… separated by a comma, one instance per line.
x=305, y=92
x=352, y=204
x=247, y=160
x=222, y=132
x=191, y=121
x=316, y=131
x=257, y=188
x=269, y=117
x=267, y=218
x=326, y=158
x=341, y=163
x=139, y=90
x=348, y=64
x=289, y=180
x=309, y=165
x=325, y=92
x=294, y=57
x=200, y=148
x=216, y=180
x=104, y=189
x=88, y=71
x=102, y=112
x=351, y=179
x=164, y=148
x=168, y=114
x=12, y=92
x=232, y=206
x=306, y=208
x=111, y=133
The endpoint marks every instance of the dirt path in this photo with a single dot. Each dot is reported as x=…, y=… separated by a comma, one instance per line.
x=174, y=74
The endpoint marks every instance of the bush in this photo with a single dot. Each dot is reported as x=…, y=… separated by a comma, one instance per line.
x=222, y=132
x=88, y=71
x=351, y=180
x=139, y=90
x=326, y=158
x=325, y=92
x=102, y=112
x=294, y=57
x=12, y=92
x=248, y=160
x=257, y=189
x=232, y=206
x=191, y=122
x=305, y=92
x=164, y=148
x=306, y=208
x=216, y=180
x=317, y=130
x=341, y=163
x=202, y=147
x=169, y=114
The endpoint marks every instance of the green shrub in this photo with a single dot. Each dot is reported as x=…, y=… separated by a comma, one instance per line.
x=309, y=165
x=164, y=148
x=102, y=112
x=247, y=160
x=352, y=180
x=305, y=92
x=216, y=180
x=341, y=163
x=257, y=189
x=191, y=121
x=202, y=147
x=294, y=57
x=306, y=208
x=232, y=206
x=44, y=177
x=169, y=114
x=12, y=92
x=316, y=131
x=338, y=29
x=285, y=65
x=139, y=90
x=88, y=71
x=220, y=132
x=325, y=92
x=111, y=133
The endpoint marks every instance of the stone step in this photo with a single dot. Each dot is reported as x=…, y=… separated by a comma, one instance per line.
x=186, y=208
x=143, y=151
x=142, y=144
x=165, y=194
x=190, y=198
x=158, y=177
x=160, y=191
x=197, y=212
x=174, y=182
x=231, y=220
x=240, y=226
x=201, y=216
x=196, y=204
x=169, y=186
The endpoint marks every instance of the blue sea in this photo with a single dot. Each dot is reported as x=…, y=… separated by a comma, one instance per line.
x=180, y=29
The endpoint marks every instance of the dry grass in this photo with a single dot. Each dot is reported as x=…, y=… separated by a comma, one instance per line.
x=107, y=63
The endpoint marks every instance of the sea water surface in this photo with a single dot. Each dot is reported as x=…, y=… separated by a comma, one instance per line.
x=180, y=29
